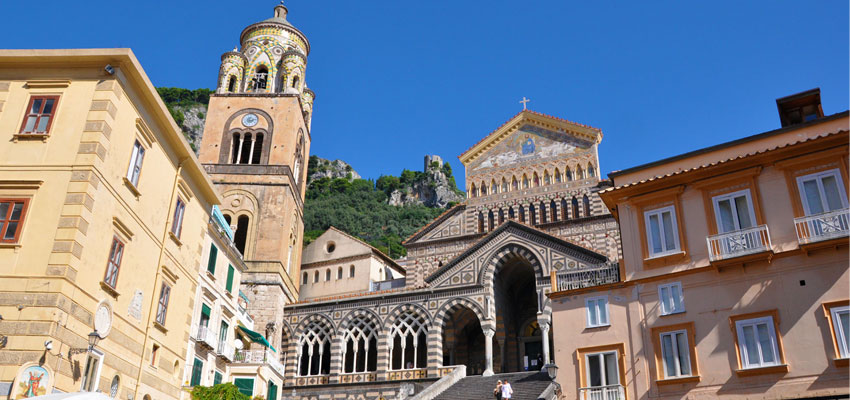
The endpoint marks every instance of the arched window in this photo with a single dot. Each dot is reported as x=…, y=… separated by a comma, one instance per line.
x=521, y=214
x=543, y=213
x=491, y=220
x=554, y=210
x=408, y=343
x=536, y=180
x=524, y=181
x=504, y=185
x=351, y=271
x=339, y=273
x=231, y=84
x=586, y=201
x=314, y=349
x=501, y=216
x=579, y=173
x=360, y=345
x=591, y=172
x=569, y=174
x=304, y=278
x=511, y=214
x=472, y=192
x=480, y=222
x=575, y=208
x=493, y=188
x=227, y=218
x=316, y=277
x=299, y=158
x=532, y=214
x=514, y=184
x=557, y=176
x=295, y=81
x=483, y=188
x=547, y=179
x=261, y=77
x=247, y=148
x=327, y=274
x=564, y=207
x=240, y=237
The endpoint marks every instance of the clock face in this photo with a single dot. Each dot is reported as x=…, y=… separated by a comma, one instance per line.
x=250, y=120
x=103, y=320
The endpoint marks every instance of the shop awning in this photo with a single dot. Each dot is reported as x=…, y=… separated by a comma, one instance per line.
x=256, y=338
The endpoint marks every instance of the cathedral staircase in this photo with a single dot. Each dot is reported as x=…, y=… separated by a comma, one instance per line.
x=526, y=385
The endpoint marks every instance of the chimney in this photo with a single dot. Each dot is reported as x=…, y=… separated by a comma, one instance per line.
x=799, y=108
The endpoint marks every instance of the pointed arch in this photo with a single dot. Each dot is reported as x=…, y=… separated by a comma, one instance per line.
x=569, y=174
x=586, y=201
x=524, y=181
x=448, y=307
x=483, y=188
x=543, y=219
x=504, y=185
x=501, y=216
x=315, y=334
x=591, y=171
x=557, y=176
x=535, y=179
x=547, y=179
x=493, y=187
x=575, y=208
x=480, y=222
x=564, y=210
x=514, y=183
x=532, y=215
x=490, y=220
x=359, y=331
x=472, y=191
x=554, y=210
x=579, y=173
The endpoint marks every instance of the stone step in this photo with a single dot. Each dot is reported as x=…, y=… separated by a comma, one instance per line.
x=526, y=385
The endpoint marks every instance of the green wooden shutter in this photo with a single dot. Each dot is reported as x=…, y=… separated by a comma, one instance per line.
x=206, y=311
x=216, y=378
x=197, y=369
x=245, y=386
x=213, y=257
x=229, y=286
x=222, y=333
x=272, y=393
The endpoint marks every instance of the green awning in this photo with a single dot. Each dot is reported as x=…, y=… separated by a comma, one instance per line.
x=256, y=337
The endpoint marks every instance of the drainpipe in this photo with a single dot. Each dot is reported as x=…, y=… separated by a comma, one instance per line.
x=154, y=300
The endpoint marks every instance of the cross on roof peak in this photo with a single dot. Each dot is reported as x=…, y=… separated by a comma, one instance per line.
x=523, y=101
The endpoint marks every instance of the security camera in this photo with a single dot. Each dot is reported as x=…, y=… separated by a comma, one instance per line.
x=48, y=345
x=109, y=69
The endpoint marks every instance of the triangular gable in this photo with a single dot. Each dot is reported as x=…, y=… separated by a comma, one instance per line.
x=552, y=254
x=556, y=129
x=446, y=225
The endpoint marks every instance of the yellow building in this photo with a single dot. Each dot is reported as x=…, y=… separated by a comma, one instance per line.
x=104, y=213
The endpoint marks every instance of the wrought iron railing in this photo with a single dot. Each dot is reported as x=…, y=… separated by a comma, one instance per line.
x=610, y=392
x=589, y=277
x=824, y=226
x=738, y=243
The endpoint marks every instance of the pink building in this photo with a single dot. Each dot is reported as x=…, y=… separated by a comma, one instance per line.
x=734, y=273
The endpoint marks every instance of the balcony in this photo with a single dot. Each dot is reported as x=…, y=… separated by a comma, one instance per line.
x=610, y=392
x=583, y=278
x=386, y=285
x=226, y=351
x=824, y=227
x=264, y=356
x=751, y=242
x=205, y=336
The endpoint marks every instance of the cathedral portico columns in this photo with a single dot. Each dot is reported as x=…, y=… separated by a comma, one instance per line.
x=488, y=350
x=336, y=359
x=543, y=322
x=383, y=355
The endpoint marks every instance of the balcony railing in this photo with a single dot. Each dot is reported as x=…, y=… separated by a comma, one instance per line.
x=738, y=243
x=610, y=392
x=384, y=285
x=577, y=279
x=205, y=335
x=265, y=356
x=226, y=350
x=824, y=226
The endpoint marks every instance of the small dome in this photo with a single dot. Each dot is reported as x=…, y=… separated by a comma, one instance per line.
x=280, y=12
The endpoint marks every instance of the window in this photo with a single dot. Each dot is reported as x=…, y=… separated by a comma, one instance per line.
x=162, y=305
x=247, y=148
x=217, y=378
x=40, y=113
x=316, y=277
x=757, y=343
x=734, y=211
x=295, y=80
x=304, y=278
x=841, y=328
x=245, y=386
x=222, y=335
x=177, y=223
x=602, y=369
x=271, y=393
x=154, y=355
x=211, y=261
x=597, y=311
x=12, y=213
x=327, y=274
x=339, y=273
x=261, y=77
x=822, y=192
x=231, y=84
x=229, y=285
x=135, y=168
x=113, y=387
x=351, y=271
x=114, y=263
x=586, y=201
x=408, y=343
x=662, y=231
x=675, y=354
x=591, y=172
x=197, y=372
x=671, y=298
x=240, y=236
x=314, y=349
x=91, y=373
x=360, y=341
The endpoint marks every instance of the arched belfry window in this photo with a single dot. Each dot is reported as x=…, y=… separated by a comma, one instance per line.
x=261, y=78
x=299, y=158
x=240, y=237
x=231, y=84
x=295, y=81
x=514, y=184
x=591, y=171
x=360, y=345
x=314, y=349
x=408, y=343
x=247, y=148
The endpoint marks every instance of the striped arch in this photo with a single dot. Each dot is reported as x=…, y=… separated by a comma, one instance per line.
x=455, y=304
x=315, y=317
x=361, y=312
x=498, y=258
x=393, y=315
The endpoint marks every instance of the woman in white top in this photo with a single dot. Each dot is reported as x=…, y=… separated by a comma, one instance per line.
x=507, y=390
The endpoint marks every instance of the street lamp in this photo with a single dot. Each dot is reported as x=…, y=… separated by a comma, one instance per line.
x=552, y=370
x=94, y=337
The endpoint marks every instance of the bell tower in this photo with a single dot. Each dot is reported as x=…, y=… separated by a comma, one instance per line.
x=255, y=145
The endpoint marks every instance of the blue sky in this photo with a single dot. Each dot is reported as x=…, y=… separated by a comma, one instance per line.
x=396, y=80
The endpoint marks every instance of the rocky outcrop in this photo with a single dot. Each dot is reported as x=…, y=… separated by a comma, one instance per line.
x=321, y=168
x=434, y=188
x=194, y=117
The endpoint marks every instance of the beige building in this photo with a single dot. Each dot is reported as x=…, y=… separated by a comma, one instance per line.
x=734, y=273
x=104, y=212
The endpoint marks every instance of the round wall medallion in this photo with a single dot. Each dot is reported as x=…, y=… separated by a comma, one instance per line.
x=250, y=120
x=103, y=319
